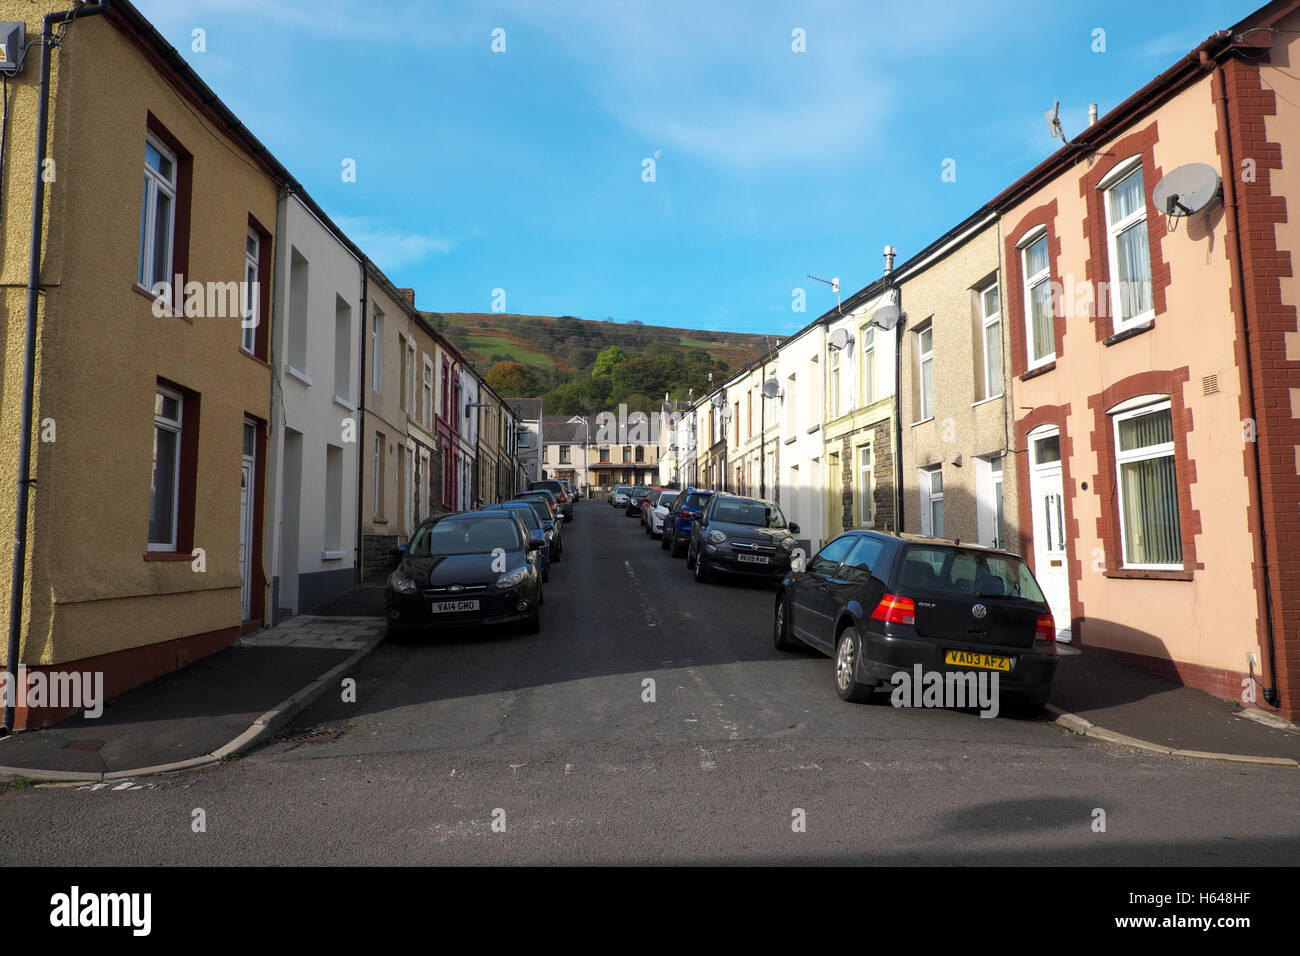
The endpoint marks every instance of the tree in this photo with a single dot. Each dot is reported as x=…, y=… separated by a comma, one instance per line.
x=513, y=379
x=608, y=361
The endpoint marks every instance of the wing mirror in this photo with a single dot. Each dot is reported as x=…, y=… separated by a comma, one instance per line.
x=794, y=529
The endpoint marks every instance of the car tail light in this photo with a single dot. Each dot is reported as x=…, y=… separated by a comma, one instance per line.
x=1045, y=631
x=895, y=610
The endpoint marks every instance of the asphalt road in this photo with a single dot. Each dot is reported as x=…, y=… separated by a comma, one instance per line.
x=553, y=739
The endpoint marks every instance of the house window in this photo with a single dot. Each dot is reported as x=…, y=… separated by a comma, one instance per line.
x=376, y=352
x=378, y=475
x=866, y=510
x=932, y=501
x=252, y=307
x=1148, y=489
x=991, y=324
x=565, y=455
x=604, y=455
x=925, y=351
x=868, y=365
x=157, y=215
x=164, y=505
x=627, y=453
x=342, y=348
x=999, y=518
x=791, y=415
x=427, y=393
x=1038, y=303
x=835, y=382
x=299, y=286
x=1130, y=258
x=640, y=453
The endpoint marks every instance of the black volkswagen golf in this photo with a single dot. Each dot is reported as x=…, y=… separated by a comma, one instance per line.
x=466, y=569
x=740, y=536
x=884, y=603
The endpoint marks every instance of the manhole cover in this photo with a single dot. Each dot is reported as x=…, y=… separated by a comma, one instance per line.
x=309, y=735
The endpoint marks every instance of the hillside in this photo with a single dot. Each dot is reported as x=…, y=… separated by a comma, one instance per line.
x=582, y=365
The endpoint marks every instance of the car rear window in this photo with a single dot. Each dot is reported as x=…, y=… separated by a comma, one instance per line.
x=696, y=501
x=526, y=513
x=969, y=572
x=465, y=536
x=753, y=513
x=540, y=508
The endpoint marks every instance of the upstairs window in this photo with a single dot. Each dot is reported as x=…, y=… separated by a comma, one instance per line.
x=925, y=356
x=991, y=329
x=1130, y=256
x=868, y=365
x=1039, y=318
x=157, y=215
x=252, y=307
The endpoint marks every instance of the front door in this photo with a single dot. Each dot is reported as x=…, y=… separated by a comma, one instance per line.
x=1051, y=556
x=247, y=477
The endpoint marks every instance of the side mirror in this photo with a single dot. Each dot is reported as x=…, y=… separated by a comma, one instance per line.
x=794, y=529
x=535, y=545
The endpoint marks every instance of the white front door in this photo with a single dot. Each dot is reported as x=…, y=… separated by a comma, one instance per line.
x=246, y=500
x=1051, y=558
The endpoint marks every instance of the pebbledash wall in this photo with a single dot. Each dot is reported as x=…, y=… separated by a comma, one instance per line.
x=315, y=430
x=1203, y=621
x=97, y=598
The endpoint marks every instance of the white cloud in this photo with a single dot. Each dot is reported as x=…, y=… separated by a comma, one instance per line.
x=390, y=248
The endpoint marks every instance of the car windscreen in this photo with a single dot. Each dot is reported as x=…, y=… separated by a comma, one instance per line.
x=620, y=489
x=540, y=508
x=968, y=572
x=639, y=492
x=465, y=536
x=753, y=513
x=526, y=513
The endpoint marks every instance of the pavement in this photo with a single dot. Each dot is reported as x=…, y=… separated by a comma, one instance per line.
x=243, y=696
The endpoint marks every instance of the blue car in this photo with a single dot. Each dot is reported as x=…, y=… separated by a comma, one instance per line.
x=688, y=506
x=536, y=531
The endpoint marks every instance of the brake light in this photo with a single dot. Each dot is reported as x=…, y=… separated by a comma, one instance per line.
x=895, y=610
x=1045, y=631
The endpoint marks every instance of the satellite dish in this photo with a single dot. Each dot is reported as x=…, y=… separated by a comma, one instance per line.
x=885, y=317
x=771, y=388
x=839, y=339
x=1186, y=190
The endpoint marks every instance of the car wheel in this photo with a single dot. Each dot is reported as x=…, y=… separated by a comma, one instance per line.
x=534, y=623
x=663, y=542
x=781, y=636
x=546, y=575
x=690, y=556
x=702, y=574
x=848, y=651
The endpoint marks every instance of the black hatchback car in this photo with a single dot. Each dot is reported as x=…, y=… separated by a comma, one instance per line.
x=883, y=603
x=740, y=536
x=466, y=569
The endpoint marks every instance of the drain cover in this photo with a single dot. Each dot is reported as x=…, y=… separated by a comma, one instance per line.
x=309, y=735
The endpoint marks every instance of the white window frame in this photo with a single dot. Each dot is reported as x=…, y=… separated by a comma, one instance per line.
x=252, y=307
x=175, y=426
x=833, y=385
x=377, y=351
x=924, y=356
x=426, y=393
x=866, y=486
x=1121, y=172
x=992, y=373
x=1030, y=282
x=146, y=269
x=1135, y=408
x=868, y=334
x=928, y=497
x=409, y=372
x=378, y=474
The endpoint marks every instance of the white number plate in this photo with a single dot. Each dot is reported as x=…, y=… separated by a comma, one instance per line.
x=752, y=558
x=451, y=607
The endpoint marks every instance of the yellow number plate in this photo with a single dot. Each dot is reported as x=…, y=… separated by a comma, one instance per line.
x=972, y=659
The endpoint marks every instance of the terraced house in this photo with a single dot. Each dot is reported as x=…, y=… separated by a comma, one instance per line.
x=1156, y=368
x=141, y=334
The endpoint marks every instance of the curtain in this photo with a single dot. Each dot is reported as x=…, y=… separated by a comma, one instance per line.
x=1044, y=332
x=1150, y=512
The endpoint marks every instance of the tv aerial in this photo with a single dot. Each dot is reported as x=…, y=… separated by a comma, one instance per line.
x=834, y=284
x=1054, y=123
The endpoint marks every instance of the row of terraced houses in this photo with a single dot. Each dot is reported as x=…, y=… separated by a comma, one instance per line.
x=1075, y=373
x=215, y=410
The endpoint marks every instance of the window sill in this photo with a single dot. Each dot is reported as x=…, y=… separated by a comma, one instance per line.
x=378, y=520
x=340, y=400
x=168, y=311
x=168, y=556
x=1040, y=370
x=1130, y=332
x=922, y=421
x=333, y=555
x=256, y=358
x=1149, y=574
x=814, y=429
x=300, y=376
x=985, y=401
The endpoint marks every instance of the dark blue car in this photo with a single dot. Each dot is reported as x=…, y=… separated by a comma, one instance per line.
x=535, y=530
x=687, y=506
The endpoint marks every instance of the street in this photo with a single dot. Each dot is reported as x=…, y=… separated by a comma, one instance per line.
x=508, y=749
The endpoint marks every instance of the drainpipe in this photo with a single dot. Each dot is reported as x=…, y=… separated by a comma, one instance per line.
x=25, y=480
x=1253, y=474
x=890, y=252
x=360, y=572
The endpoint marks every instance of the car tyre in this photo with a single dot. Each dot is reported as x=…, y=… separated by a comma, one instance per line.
x=663, y=542
x=534, y=623
x=702, y=574
x=848, y=651
x=782, y=638
x=690, y=557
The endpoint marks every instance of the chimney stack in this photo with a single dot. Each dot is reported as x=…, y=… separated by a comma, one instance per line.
x=409, y=296
x=1092, y=114
x=890, y=252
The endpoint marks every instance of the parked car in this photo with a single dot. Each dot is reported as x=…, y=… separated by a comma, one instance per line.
x=546, y=496
x=880, y=603
x=741, y=536
x=562, y=497
x=533, y=522
x=636, y=494
x=684, y=509
x=618, y=497
x=573, y=492
x=467, y=569
x=657, y=511
x=546, y=515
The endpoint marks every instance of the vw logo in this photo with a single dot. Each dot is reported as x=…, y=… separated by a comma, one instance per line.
x=457, y=587
x=979, y=610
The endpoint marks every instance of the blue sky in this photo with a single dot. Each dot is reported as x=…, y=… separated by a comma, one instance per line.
x=522, y=170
